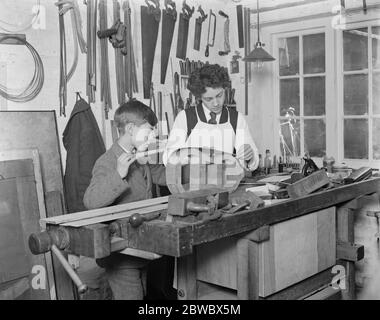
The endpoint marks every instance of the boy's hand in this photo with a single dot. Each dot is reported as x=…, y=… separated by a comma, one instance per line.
x=123, y=163
x=245, y=153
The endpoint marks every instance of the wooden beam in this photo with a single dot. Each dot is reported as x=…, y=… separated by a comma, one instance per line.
x=349, y=251
x=285, y=5
x=252, y=219
x=186, y=278
x=304, y=287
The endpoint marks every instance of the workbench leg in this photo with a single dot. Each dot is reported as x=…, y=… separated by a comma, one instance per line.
x=186, y=278
x=247, y=270
x=345, y=233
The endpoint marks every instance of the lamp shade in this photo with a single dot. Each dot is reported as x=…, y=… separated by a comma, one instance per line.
x=258, y=54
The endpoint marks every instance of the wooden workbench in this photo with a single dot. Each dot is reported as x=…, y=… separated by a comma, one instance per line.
x=282, y=251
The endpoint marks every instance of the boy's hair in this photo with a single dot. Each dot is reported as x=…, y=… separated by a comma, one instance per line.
x=135, y=112
x=210, y=75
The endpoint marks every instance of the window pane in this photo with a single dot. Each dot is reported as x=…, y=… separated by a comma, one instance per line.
x=289, y=137
x=356, y=94
x=314, y=53
x=289, y=96
x=288, y=54
x=376, y=92
x=376, y=139
x=356, y=138
x=314, y=96
x=376, y=47
x=355, y=49
x=315, y=137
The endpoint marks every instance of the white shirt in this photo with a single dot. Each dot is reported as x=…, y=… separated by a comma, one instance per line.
x=178, y=136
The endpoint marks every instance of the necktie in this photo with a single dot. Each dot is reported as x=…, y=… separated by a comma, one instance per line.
x=213, y=118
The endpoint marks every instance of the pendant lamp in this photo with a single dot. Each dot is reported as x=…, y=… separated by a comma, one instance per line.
x=258, y=55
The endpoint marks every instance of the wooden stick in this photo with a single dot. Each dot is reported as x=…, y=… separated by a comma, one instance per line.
x=109, y=217
x=104, y=211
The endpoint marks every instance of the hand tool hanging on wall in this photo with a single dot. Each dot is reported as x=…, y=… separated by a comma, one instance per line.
x=76, y=23
x=129, y=58
x=105, y=88
x=169, y=18
x=227, y=48
x=210, y=43
x=159, y=111
x=234, y=64
x=150, y=21
x=177, y=94
x=183, y=30
x=198, y=28
x=119, y=64
x=91, y=49
x=247, y=47
x=152, y=99
x=239, y=12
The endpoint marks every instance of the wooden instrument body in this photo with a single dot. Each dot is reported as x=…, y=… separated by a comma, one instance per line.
x=190, y=169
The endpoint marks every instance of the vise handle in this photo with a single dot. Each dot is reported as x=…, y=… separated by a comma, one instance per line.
x=54, y=241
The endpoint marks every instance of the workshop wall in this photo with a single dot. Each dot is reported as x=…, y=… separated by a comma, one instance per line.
x=17, y=66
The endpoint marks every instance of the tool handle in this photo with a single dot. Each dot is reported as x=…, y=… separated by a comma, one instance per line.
x=223, y=14
x=207, y=51
x=106, y=33
x=82, y=288
x=203, y=15
x=213, y=36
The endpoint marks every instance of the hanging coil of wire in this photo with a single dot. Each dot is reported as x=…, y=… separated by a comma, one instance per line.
x=35, y=85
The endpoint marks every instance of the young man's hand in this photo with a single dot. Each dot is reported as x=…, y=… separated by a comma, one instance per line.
x=245, y=152
x=123, y=163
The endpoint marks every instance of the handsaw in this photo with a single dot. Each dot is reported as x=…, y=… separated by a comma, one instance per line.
x=129, y=59
x=198, y=28
x=227, y=48
x=169, y=18
x=177, y=94
x=183, y=30
x=210, y=44
x=150, y=20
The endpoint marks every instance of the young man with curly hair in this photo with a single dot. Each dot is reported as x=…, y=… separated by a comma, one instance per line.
x=211, y=124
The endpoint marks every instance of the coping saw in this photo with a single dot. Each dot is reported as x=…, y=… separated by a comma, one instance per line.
x=198, y=28
x=183, y=30
x=210, y=44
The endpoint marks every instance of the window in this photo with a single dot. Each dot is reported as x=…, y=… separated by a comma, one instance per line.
x=361, y=93
x=302, y=94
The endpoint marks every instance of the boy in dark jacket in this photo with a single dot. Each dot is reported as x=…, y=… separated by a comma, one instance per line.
x=118, y=178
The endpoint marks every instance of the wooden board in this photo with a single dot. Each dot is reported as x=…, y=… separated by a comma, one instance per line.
x=11, y=165
x=24, y=206
x=296, y=250
x=90, y=214
x=35, y=130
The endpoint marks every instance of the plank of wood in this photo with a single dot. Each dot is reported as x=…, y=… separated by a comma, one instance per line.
x=345, y=233
x=186, y=278
x=110, y=217
x=248, y=269
x=308, y=184
x=104, y=211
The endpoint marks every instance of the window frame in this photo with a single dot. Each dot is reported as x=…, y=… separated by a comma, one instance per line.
x=340, y=74
x=329, y=116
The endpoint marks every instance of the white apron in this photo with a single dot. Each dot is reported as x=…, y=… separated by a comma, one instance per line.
x=213, y=136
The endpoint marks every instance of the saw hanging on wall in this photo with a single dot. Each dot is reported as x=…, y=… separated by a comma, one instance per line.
x=210, y=43
x=227, y=48
x=183, y=30
x=150, y=21
x=198, y=28
x=129, y=58
x=169, y=18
